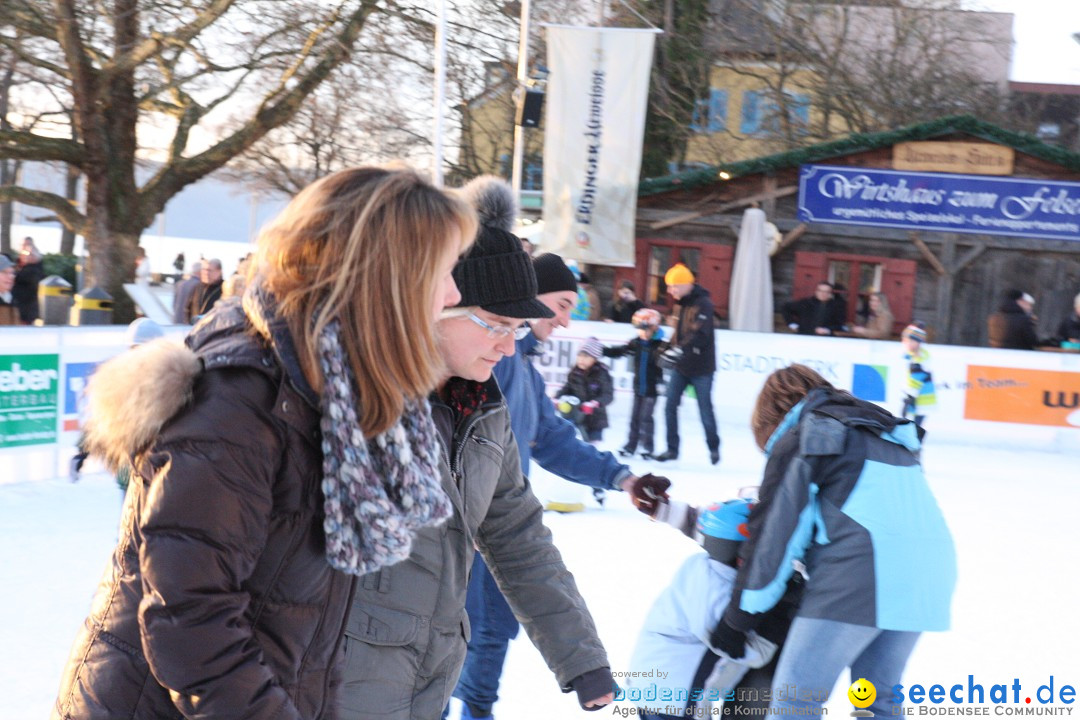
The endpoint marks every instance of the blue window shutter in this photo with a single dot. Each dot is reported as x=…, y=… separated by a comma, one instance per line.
x=751, y=113
x=717, y=110
x=800, y=111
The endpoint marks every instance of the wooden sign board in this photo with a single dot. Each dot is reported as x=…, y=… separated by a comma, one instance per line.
x=954, y=157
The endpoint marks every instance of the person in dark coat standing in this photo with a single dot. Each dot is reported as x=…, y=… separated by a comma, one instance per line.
x=242, y=533
x=1013, y=325
x=9, y=314
x=693, y=355
x=208, y=292
x=824, y=313
x=27, y=278
x=1069, y=329
x=625, y=305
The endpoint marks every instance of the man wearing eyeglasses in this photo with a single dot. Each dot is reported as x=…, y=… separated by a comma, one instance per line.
x=551, y=441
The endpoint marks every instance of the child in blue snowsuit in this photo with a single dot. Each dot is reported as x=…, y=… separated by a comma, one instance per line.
x=645, y=349
x=674, y=639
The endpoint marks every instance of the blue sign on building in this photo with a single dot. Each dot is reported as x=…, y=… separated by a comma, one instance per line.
x=939, y=201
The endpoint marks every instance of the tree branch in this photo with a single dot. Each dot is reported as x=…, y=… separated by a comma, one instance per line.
x=152, y=45
x=71, y=218
x=20, y=145
x=270, y=115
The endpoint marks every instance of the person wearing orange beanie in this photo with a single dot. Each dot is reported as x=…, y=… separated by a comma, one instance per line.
x=691, y=359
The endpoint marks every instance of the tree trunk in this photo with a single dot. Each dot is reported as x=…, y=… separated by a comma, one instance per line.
x=71, y=192
x=6, y=208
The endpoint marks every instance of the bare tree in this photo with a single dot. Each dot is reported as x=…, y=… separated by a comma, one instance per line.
x=819, y=69
x=175, y=68
x=379, y=106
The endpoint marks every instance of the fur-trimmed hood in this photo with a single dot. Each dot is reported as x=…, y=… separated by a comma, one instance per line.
x=133, y=395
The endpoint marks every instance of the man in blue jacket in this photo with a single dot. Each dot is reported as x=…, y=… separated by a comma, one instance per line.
x=553, y=442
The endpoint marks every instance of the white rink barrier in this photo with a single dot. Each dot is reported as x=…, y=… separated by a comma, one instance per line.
x=985, y=396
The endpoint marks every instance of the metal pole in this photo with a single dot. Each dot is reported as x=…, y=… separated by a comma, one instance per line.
x=440, y=94
x=522, y=74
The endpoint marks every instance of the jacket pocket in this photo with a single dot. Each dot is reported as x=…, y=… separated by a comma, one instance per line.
x=382, y=626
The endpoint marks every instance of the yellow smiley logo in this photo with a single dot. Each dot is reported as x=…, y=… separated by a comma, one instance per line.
x=862, y=693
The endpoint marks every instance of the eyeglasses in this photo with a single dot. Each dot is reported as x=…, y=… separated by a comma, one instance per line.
x=501, y=331
x=644, y=325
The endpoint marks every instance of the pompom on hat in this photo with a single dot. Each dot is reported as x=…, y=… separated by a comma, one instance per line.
x=497, y=274
x=679, y=274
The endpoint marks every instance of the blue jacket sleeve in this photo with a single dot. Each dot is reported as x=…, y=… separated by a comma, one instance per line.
x=559, y=450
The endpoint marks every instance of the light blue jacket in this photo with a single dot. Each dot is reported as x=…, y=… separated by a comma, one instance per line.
x=543, y=436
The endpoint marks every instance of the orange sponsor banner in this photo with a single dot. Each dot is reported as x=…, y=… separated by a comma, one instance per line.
x=1028, y=397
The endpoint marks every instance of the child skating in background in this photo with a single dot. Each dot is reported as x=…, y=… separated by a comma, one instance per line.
x=919, y=395
x=675, y=636
x=589, y=382
x=645, y=349
x=584, y=398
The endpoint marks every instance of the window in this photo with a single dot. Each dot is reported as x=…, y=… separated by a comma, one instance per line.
x=533, y=177
x=856, y=276
x=711, y=115
x=761, y=114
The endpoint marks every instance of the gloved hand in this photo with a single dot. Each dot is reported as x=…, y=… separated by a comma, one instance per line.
x=647, y=491
x=566, y=403
x=589, y=407
x=596, y=687
x=670, y=357
x=793, y=326
x=728, y=640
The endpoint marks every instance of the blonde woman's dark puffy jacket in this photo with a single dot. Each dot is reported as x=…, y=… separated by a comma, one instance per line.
x=218, y=601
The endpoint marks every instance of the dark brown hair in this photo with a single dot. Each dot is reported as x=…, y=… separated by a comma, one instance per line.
x=782, y=391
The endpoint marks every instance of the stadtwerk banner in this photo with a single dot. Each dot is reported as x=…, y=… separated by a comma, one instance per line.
x=593, y=129
x=940, y=201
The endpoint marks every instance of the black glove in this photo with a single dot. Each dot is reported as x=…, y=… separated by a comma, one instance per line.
x=647, y=490
x=593, y=685
x=727, y=639
x=670, y=357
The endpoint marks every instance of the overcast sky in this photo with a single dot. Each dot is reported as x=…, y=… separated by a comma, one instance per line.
x=1044, y=51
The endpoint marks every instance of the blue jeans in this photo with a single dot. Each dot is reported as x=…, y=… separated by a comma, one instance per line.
x=702, y=385
x=493, y=627
x=817, y=651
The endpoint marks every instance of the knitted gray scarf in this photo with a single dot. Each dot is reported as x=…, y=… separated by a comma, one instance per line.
x=378, y=491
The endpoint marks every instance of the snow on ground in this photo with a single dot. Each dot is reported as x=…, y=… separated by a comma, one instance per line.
x=1012, y=514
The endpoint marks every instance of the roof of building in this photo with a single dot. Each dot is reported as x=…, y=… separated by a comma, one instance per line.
x=862, y=142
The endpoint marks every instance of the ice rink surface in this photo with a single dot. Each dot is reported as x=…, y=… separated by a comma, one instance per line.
x=1013, y=514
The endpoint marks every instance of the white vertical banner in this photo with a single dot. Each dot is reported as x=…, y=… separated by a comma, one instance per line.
x=597, y=93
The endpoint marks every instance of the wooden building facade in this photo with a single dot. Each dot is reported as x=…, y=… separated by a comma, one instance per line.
x=950, y=281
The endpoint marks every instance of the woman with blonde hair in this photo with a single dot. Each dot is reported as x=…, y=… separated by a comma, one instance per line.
x=288, y=448
x=879, y=323
x=844, y=493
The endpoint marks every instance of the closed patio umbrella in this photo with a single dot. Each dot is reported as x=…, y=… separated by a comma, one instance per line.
x=751, y=299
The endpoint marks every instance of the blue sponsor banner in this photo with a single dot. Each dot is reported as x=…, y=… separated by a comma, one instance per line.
x=940, y=201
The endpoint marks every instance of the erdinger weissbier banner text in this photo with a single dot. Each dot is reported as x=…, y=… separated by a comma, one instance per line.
x=596, y=98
